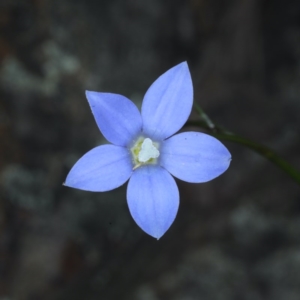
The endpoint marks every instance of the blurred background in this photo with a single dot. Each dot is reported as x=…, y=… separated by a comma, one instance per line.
x=237, y=237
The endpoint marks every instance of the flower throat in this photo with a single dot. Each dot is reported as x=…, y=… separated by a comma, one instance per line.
x=144, y=151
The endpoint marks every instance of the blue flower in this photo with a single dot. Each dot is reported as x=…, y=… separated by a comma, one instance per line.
x=145, y=150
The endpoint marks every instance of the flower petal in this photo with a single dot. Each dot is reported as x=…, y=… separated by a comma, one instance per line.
x=102, y=169
x=117, y=117
x=153, y=199
x=194, y=156
x=168, y=103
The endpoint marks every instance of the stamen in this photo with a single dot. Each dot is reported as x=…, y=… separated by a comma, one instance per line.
x=136, y=166
x=148, y=151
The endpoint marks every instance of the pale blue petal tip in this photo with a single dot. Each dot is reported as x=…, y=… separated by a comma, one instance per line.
x=117, y=117
x=168, y=103
x=194, y=157
x=101, y=169
x=153, y=199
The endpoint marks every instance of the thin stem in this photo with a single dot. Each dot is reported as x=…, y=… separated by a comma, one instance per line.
x=222, y=134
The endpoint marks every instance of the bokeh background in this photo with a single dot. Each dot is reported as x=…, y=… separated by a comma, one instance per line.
x=237, y=237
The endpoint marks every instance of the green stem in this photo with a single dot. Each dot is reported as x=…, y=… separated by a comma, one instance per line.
x=222, y=134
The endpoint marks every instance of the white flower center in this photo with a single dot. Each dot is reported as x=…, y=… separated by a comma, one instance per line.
x=148, y=151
